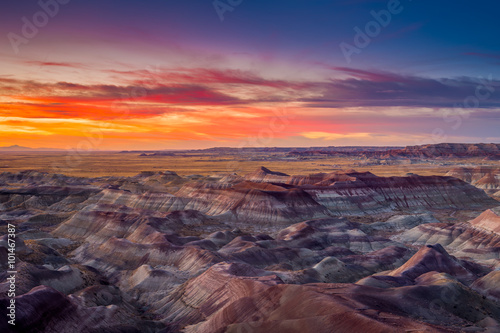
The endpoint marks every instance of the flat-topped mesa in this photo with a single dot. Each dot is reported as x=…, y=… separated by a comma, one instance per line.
x=276, y=197
x=263, y=197
x=453, y=150
x=489, y=151
x=251, y=202
x=326, y=179
x=372, y=194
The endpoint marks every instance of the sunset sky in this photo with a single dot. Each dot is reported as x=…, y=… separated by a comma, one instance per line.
x=168, y=74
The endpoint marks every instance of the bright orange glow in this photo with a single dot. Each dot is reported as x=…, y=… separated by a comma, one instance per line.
x=197, y=108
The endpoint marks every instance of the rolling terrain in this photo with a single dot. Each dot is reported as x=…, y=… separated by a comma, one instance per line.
x=261, y=251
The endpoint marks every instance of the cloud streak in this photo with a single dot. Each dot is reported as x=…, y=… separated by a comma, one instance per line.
x=378, y=89
x=226, y=105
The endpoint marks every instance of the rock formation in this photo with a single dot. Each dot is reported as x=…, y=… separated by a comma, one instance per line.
x=263, y=252
x=486, y=178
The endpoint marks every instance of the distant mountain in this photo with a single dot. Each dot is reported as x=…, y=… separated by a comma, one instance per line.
x=21, y=148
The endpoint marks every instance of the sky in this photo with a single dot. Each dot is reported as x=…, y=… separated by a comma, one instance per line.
x=178, y=74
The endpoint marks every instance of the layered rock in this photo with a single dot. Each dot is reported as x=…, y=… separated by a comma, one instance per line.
x=252, y=202
x=45, y=309
x=246, y=299
x=432, y=258
x=242, y=298
x=268, y=197
x=376, y=194
x=489, y=151
x=486, y=178
x=454, y=150
x=159, y=252
x=478, y=239
x=489, y=285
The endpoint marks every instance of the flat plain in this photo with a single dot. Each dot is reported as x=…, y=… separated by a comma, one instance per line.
x=113, y=163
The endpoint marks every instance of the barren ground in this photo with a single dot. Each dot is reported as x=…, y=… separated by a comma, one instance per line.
x=130, y=164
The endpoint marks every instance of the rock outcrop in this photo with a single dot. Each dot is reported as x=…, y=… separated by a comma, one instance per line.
x=344, y=251
x=484, y=151
x=478, y=239
x=486, y=178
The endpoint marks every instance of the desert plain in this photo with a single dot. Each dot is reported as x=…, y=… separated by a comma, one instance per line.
x=326, y=239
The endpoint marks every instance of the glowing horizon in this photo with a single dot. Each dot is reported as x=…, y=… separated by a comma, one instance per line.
x=122, y=77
